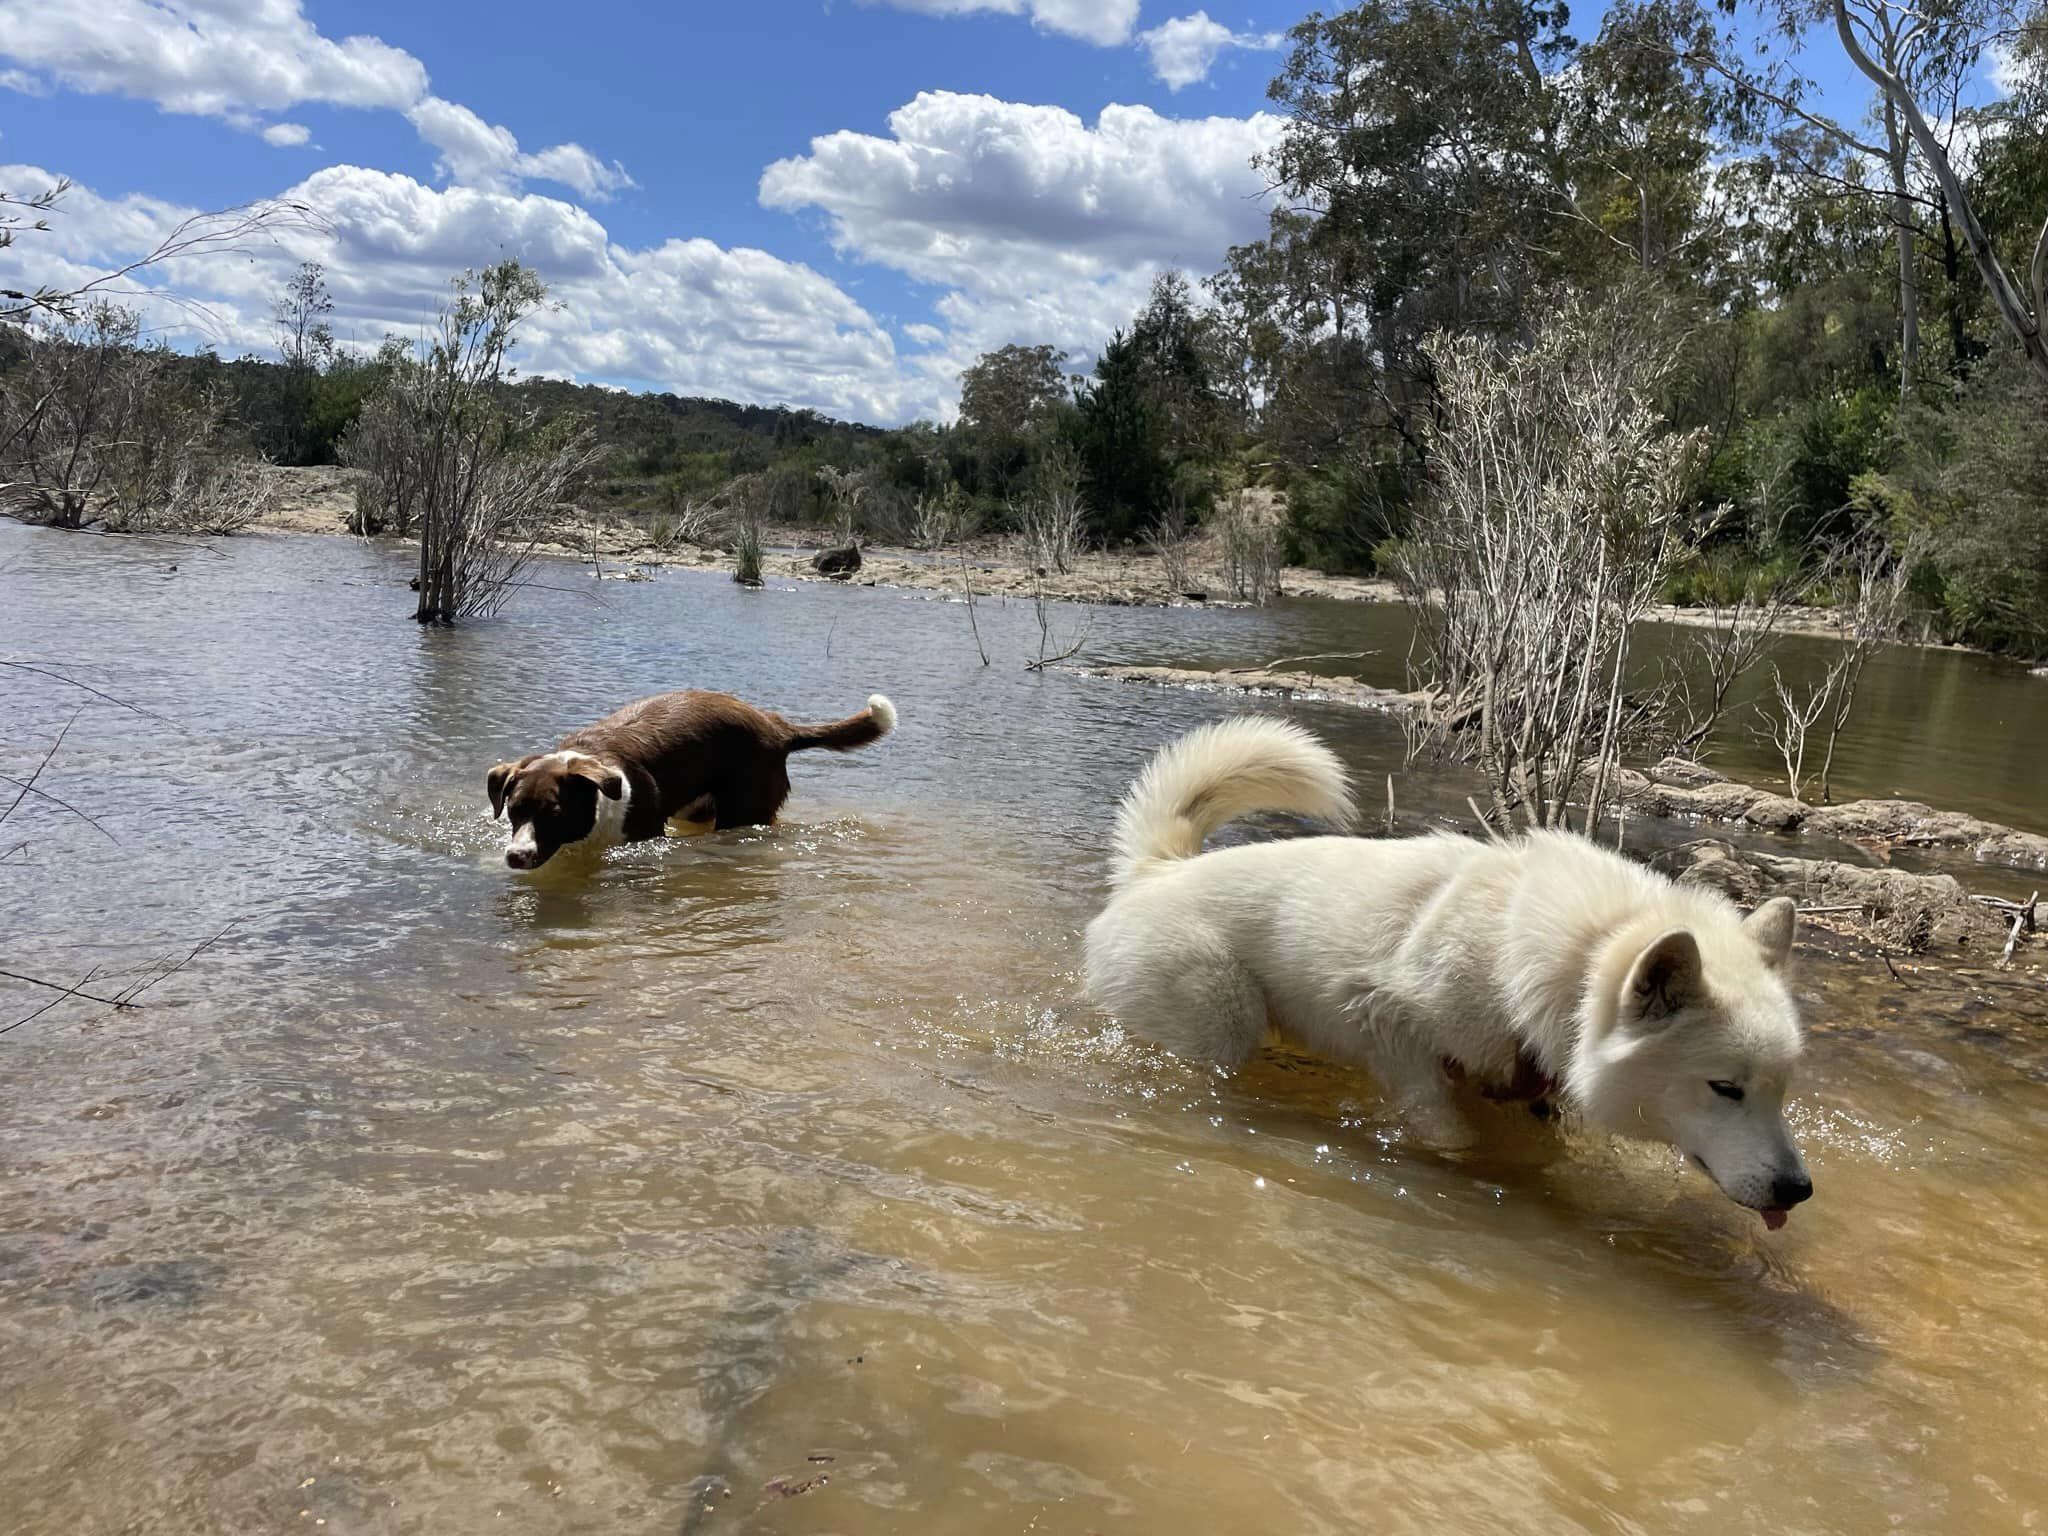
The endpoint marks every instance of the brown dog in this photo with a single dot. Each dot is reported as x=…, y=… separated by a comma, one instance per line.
x=689, y=757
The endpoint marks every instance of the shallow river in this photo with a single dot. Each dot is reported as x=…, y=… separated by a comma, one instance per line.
x=779, y=1181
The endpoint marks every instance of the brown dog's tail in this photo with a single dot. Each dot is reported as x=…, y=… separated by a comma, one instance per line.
x=871, y=724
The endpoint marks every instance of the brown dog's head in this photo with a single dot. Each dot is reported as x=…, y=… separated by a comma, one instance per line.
x=554, y=800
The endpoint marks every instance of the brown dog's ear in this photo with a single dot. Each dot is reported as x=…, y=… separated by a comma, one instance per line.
x=610, y=782
x=495, y=782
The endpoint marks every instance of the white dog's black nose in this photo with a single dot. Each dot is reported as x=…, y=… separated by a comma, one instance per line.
x=1788, y=1189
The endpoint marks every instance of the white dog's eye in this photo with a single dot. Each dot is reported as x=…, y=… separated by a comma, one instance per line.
x=1727, y=1090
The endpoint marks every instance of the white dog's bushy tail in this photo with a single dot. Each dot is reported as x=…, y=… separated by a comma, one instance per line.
x=1216, y=774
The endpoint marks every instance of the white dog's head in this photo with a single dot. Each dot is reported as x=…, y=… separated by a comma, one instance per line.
x=1696, y=1048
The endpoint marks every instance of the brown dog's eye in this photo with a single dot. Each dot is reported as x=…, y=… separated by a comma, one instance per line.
x=1727, y=1090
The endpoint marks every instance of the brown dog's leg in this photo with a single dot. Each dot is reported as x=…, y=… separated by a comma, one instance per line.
x=695, y=819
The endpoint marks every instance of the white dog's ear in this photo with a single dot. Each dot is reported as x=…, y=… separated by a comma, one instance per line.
x=1667, y=978
x=1771, y=925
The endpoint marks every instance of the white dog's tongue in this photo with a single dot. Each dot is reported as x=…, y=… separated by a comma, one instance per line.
x=1775, y=1216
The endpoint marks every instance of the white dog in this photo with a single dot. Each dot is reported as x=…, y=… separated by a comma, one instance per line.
x=1651, y=1009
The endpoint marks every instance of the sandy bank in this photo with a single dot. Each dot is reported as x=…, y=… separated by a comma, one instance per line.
x=319, y=500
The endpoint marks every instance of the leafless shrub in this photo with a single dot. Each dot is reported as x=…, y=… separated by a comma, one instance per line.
x=383, y=448
x=163, y=468
x=1870, y=619
x=844, y=491
x=479, y=475
x=204, y=492
x=1251, y=549
x=1870, y=616
x=228, y=231
x=1052, y=515
x=690, y=521
x=73, y=400
x=940, y=517
x=1051, y=646
x=367, y=505
x=1555, y=513
x=1787, y=725
x=1737, y=635
x=1168, y=538
x=238, y=493
x=101, y=427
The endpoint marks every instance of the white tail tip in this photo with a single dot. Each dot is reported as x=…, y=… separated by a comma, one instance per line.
x=883, y=711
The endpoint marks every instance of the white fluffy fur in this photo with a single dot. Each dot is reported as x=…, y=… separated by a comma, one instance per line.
x=884, y=713
x=1634, y=994
x=1216, y=774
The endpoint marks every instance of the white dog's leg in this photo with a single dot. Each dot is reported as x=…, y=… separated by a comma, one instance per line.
x=1202, y=1011
x=1413, y=1077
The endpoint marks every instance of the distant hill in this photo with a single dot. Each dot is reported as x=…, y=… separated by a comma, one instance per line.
x=655, y=435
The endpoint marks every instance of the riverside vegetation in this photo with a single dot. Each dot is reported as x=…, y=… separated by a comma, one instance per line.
x=1853, y=313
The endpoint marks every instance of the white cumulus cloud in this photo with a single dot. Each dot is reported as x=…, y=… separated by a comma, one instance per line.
x=286, y=135
x=1039, y=226
x=1186, y=48
x=1106, y=23
x=238, y=59
x=476, y=153
x=687, y=315
x=972, y=191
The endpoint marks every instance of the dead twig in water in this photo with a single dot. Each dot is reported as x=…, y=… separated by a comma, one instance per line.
x=2023, y=919
x=23, y=666
x=27, y=785
x=1038, y=601
x=1390, y=805
x=122, y=1001
x=165, y=972
x=967, y=585
x=1287, y=661
x=76, y=989
x=30, y=788
x=70, y=992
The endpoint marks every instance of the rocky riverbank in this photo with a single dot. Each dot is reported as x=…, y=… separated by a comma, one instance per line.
x=320, y=499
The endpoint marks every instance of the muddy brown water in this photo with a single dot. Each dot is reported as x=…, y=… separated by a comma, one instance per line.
x=779, y=1181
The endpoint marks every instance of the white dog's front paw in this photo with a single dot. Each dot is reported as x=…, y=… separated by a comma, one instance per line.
x=1437, y=1125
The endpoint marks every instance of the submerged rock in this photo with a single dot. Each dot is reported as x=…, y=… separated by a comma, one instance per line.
x=1910, y=911
x=1261, y=680
x=175, y=1282
x=1709, y=798
x=1887, y=823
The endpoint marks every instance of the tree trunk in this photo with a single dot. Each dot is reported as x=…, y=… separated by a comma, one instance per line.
x=433, y=563
x=1952, y=270
x=2022, y=317
x=1909, y=284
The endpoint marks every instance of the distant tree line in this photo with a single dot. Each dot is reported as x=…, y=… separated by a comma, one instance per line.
x=1855, y=310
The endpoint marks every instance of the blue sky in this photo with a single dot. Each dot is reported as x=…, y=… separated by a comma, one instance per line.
x=834, y=204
